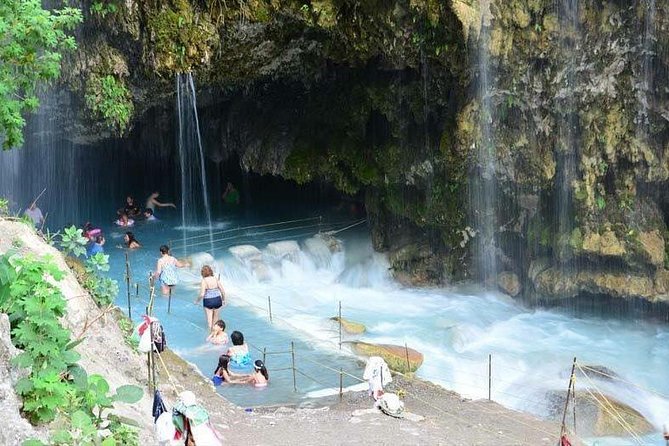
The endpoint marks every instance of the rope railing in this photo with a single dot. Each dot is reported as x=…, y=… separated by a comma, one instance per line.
x=618, y=378
x=329, y=227
x=608, y=407
x=592, y=390
x=243, y=228
x=177, y=246
x=267, y=353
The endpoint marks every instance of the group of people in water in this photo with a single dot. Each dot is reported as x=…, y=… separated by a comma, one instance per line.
x=130, y=212
x=235, y=365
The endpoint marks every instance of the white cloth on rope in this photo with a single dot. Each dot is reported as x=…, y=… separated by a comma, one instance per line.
x=377, y=374
x=143, y=332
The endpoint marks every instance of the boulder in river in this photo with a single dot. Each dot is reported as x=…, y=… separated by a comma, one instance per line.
x=593, y=420
x=350, y=326
x=287, y=249
x=508, y=282
x=399, y=358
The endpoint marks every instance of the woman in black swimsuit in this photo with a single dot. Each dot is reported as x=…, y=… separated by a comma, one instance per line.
x=212, y=295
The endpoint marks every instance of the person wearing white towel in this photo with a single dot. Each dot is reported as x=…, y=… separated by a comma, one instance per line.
x=377, y=375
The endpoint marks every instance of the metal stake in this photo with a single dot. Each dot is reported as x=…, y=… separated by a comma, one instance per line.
x=406, y=351
x=566, y=403
x=489, y=376
x=339, y=325
x=292, y=352
x=341, y=383
x=169, y=301
x=269, y=305
x=127, y=283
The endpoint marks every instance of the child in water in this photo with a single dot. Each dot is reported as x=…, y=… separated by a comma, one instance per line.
x=260, y=375
x=222, y=374
x=218, y=335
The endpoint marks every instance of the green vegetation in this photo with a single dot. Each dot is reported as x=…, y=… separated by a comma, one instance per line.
x=103, y=8
x=103, y=289
x=110, y=100
x=57, y=387
x=32, y=41
x=73, y=242
x=184, y=38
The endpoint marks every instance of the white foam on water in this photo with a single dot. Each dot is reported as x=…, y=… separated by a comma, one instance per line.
x=456, y=331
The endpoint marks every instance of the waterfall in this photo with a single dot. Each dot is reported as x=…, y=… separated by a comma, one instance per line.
x=645, y=88
x=567, y=123
x=484, y=187
x=45, y=162
x=194, y=193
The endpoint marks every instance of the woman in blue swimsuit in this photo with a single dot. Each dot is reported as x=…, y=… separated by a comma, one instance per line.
x=212, y=295
x=166, y=269
x=240, y=359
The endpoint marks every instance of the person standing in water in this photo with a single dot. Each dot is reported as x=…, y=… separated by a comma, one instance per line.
x=131, y=209
x=231, y=195
x=35, y=214
x=166, y=270
x=152, y=202
x=212, y=295
x=97, y=246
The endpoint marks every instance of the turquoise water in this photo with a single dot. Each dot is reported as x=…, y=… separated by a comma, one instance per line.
x=456, y=329
x=185, y=325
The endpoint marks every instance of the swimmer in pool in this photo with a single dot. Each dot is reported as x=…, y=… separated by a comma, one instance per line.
x=218, y=336
x=260, y=376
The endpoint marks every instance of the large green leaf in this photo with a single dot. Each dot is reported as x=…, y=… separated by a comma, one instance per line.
x=79, y=377
x=128, y=394
x=80, y=420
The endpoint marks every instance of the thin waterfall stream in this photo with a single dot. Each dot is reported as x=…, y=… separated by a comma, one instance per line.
x=484, y=187
x=194, y=190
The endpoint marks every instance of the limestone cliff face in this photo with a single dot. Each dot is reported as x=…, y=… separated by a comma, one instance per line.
x=383, y=99
x=580, y=133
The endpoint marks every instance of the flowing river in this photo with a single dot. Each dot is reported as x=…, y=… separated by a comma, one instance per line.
x=531, y=349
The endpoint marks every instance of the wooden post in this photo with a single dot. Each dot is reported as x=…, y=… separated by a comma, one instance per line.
x=169, y=302
x=489, y=376
x=339, y=325
x=127, y=283
x=292, y=352
x=341, y=383
x=566, y=403
x=269, y=305
x=406, y=351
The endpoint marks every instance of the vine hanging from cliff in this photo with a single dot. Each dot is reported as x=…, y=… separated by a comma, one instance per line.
x=32, y=41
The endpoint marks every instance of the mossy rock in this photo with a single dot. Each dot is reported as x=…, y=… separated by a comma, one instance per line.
x=350, y=326
x=595, y=420
x=394, y=355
